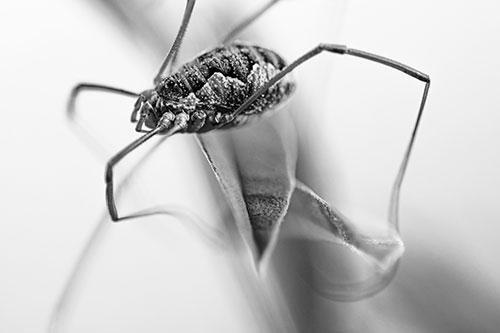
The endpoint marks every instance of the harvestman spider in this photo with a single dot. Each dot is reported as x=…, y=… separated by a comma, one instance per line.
x=223, y=88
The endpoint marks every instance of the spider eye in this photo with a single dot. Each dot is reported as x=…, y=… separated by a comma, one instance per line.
x=170, y=89
x=165, y=86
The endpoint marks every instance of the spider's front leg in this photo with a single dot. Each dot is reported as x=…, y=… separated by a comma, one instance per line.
x=165, y=126
x=79, y=88
x=344, y=50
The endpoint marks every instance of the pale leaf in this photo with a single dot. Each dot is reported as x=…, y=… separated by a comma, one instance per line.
x=370, y=260
x=255, y=167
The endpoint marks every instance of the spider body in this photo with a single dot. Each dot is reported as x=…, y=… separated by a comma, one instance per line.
x=223, y=88
x=212, y=86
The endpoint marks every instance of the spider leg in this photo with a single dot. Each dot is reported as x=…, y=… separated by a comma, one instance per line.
x=344, y=50
x=249, y=20
x=180, y=124
x=87, y=253
x=84, y=132
x=174, y=49
x=75, y=92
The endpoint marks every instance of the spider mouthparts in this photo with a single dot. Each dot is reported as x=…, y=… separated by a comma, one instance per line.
x=137, y=108
x=140, y=123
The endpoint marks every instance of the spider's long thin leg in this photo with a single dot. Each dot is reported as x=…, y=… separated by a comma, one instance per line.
x=70, y=110
x=172, y=54
x=86, y=133
x=341, y=49
x=179, y=125
x=249, y=20
x=85, y=256
x=378, y=280
x=110, y=198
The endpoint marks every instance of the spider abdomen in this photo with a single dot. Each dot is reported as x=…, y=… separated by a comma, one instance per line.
x=215, y=83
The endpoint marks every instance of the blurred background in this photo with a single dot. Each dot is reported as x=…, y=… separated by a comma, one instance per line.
x=353, y=118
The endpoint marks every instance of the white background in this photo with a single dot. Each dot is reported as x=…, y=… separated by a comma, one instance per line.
x=52, y=191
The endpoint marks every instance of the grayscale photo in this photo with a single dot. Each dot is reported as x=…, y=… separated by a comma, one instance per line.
x=283, y=166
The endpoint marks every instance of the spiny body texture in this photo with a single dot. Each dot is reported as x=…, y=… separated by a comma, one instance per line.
x=212, y=86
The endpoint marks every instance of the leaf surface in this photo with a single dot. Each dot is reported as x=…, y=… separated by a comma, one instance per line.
x=348, y=264
x=255, y=166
